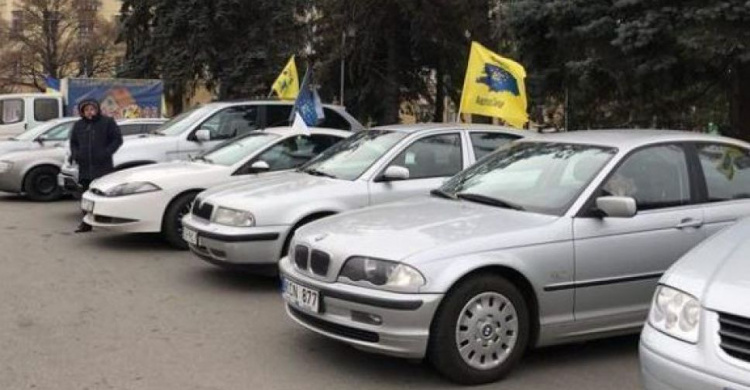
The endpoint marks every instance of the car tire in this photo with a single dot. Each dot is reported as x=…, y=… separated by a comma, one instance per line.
x=480, y=331
x=40, y=184
x=172, y=224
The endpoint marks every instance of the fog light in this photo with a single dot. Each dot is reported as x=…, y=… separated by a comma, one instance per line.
x=366, y=318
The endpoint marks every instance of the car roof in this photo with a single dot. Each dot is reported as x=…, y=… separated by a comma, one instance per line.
x=424, y=127
x=30, y=94
x=286, y=130
x=141, y=120
x=632, y=138
x=227, y=103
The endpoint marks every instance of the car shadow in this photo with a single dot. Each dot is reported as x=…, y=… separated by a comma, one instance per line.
x=222, y=280
x=577, y=366
x=134, y=242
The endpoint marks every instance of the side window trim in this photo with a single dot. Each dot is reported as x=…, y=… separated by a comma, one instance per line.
x=585, y=210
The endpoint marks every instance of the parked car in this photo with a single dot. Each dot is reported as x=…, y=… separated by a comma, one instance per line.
x=203, y=128
x=49, y=134
x=34, y=173
x=547, y=241
x=154, y=198
x=248, y=225
x=698, y=332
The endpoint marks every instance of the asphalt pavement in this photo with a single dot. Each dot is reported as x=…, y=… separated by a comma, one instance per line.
x=107, y=311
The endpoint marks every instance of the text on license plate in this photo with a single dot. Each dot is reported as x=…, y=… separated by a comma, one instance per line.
x=87, y=205
x=190, y=236
x=300, y=296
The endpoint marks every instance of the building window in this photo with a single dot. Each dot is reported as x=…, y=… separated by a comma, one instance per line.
x=16, y=24
x=85, y=28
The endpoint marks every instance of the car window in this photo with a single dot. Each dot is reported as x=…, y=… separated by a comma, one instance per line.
x=11, y=111
x=59, y=133
x=290, y=153
x=529, y=175
x=485, y=143
x=46, y=109
x=435, y=156
x=278, y=115
x=333, y=120
x=184, y=121
x=131, y=129
x=656, y=177
x=350, y=158
x=232, y=122
x=232, y=152
x=727, y=171
x=151, y=127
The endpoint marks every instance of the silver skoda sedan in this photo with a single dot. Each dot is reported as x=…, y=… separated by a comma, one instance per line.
x=546, y=241
x=698, y=333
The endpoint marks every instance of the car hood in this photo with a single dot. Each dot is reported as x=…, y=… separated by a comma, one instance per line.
x=277, y=189
x=164, y=174
x=423, y=229
x=717, y=271
x=14, y=146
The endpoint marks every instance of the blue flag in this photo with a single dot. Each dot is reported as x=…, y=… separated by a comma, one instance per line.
x=308, y=103
x=53, y=84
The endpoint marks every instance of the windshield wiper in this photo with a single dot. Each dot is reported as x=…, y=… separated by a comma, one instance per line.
x=489, y=201
x=442, y=194
x=317, y=172
x=203, y=158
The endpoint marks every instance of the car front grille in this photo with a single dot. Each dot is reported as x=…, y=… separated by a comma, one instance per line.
x=735, y=336
x=203, y=210
x=316, y=262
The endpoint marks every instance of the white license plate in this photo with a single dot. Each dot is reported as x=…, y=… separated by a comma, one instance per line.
x=190, y=236
x=60, y=181
x=87, y=205
x=301, y=296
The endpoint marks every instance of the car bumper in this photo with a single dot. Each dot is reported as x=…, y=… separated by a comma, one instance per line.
x=242, y=248
x=671, y=364
x=11, y=181
x=68, y=183
x=139, y=213
x=377, y=321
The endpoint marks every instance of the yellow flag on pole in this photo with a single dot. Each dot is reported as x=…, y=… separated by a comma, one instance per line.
x=286, y=85
x=494, y=86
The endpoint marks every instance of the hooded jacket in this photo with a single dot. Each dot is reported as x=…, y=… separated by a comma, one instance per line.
x=93, y=143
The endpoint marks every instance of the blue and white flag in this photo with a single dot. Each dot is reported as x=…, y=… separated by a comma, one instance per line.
x=308, y=103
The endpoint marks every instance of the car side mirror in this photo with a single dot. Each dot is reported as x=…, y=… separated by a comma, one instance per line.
x=260, y=167
x=203, y=135
x=617, y=206
x=396, y=173
x=40, y=140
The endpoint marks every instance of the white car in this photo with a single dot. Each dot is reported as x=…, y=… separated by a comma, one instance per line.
x=203, y=128
x=48, y=134
x=154, y=198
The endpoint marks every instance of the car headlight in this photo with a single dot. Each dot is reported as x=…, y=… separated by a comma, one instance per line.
x=5, y=166
x=384, y=274
x=676, y=313
x=231, y=217
x=132, y=188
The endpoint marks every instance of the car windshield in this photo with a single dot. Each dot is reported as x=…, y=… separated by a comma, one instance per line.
x=183, y=122
x=235, y=151
x=34, y=133
x=539, y=177
x=350, y=158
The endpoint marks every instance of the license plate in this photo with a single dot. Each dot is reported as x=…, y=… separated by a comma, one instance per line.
x=301, y=296
x=60, y=181
x=190, y=236
x=87, y=205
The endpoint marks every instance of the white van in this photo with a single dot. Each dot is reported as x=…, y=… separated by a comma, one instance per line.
x=20, y=112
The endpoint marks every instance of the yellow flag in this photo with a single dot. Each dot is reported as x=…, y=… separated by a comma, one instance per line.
x=494, y=86
x=286, y=85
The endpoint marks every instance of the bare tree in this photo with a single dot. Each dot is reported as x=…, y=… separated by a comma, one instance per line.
x=59, y=38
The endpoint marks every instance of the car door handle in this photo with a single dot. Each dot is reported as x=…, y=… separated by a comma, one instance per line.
x=688, y=223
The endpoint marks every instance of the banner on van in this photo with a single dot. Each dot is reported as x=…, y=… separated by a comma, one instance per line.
x=119, y=98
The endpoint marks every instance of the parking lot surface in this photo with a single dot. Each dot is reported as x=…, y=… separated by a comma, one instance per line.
x=105, y=311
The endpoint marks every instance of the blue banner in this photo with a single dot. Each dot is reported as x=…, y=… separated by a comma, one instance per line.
x=119, y=98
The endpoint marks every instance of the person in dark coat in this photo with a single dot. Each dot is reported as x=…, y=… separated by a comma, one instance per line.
x=93, y=141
